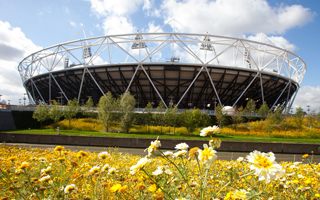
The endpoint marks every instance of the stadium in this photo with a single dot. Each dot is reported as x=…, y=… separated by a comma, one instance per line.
x=184, y=70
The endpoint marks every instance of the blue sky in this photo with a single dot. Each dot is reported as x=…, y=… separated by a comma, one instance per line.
x=27, y=25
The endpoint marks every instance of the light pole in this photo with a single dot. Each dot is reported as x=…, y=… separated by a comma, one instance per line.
x=24, y=99
x=60, y=98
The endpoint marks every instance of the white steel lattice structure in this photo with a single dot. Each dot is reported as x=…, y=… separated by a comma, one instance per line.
x=186, y=70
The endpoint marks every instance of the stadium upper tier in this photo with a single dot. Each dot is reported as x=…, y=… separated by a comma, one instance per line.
x=187, y=70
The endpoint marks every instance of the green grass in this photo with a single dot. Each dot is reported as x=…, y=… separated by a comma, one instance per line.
x=163, y=136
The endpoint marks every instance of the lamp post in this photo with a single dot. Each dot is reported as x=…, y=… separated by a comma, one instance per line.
x=60, y=98
x=24, y=99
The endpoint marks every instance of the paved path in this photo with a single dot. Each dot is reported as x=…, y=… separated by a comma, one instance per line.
x=136, y=151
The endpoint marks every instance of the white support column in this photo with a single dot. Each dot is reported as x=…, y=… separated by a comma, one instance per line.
x=64, y=94
x=280, y=95
x=80, y=89
x=245, y=89
x=133, y=76
x=94, y=80
x=37, y=90
x=214, y=88
x=154, y=87
x=187, y=90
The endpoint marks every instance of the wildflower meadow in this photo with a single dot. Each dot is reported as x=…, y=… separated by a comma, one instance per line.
x=184, y=173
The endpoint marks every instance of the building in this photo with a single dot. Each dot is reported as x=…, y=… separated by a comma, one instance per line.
x=185, y=70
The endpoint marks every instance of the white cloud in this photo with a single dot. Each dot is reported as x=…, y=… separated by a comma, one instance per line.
x=278, y=41
x=117, y=25
x=73, y=24
x=308, y=95
x=233, y=17
x=153, y=28
x=14, y=46
x=115, y=7
x=116, y=14
x=151, y=9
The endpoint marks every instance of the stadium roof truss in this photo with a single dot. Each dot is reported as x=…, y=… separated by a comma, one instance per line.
x=207, y=68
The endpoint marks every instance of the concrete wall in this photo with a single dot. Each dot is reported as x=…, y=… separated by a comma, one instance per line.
x=165, y=143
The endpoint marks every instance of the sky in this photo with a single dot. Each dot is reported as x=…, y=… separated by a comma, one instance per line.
x=30, y=25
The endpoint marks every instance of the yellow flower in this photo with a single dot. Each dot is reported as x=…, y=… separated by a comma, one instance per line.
x=24, y=165
x=82, y=154
x=12, y=158
x=115, y=188
x=264, y=165
x=123, y=188
x=59, y=148
x=236, y=195
x=193, y=152
x=103, y=155
x=42, y=159
x=70, y=188
x=140, y=186
x=158, y=195
x=207, y=154
x=152, y=188
x=18, y=171
x=305, y=156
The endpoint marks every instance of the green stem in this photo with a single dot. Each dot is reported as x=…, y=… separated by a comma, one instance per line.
x=180, y=172
x=155, y=182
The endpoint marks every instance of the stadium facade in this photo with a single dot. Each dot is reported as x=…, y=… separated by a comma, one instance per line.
x=185, y=70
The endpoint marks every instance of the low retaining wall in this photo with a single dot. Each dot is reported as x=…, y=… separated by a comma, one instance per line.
x=227, y=146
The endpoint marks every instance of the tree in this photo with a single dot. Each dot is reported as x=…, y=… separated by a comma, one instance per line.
x=55, y=112
x=237, y=117
x=127, y=104
x=250, y=107
x=171, y=117
x=41, y=113
x=88, y=107
x=263, y=110
x=298, y=116
x=106, y=110
x=194, y=118
x=148, y=118
x=221, y=118
x=71, y=110
x=275, y=118
x=159, y=117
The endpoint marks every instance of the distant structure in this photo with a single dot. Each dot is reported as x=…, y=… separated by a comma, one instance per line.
x=185, y=70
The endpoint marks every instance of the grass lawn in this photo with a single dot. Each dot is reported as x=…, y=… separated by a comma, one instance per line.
x=164, y=136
